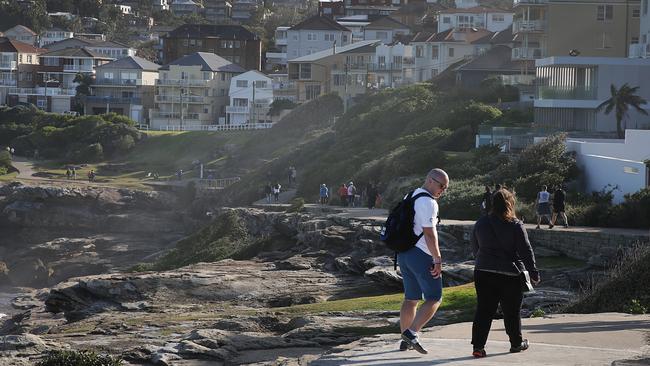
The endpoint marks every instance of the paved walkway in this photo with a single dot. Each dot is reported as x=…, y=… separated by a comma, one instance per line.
x=562, y=339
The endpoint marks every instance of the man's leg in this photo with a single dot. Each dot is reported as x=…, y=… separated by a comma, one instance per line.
x=407, y=314
x=426, y=311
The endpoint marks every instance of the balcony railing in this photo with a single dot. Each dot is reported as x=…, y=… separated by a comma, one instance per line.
x=186, y=116
x=640, y=50
x=281, y=41
x=530, y=2
x=11, y=65
x=522, y=53
x=566, y=92
x=122, y=82
x=78, y=68
x=280, y=55
x=41, y=91
x=528, y=26
x=113, y=100
x=7, y=82
x=182, y=82
x=177, y=99
x=237, y=109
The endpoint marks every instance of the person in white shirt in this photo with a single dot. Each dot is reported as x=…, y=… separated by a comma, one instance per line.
x=543, y=206
x=421, y=266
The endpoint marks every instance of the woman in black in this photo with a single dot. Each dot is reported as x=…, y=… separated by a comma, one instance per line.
x=501, y=249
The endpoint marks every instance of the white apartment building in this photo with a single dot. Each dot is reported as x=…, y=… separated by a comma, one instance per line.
x=54, y=35
x=316, y=34
x=192, y=92
x=570, y=88
x=434, y=53
x=614, y=163
x=278, y=57
x=251, y=95
x=494, y=20
x=642, y=48
x=393, y=66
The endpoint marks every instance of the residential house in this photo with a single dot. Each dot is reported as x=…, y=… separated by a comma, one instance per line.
x=385, y=29
x=124, y=86
x=18, y=66
x=413, y=14
x=283, y=88
x=22, y=34
x=217, y=10
x=276, y=58
x=251, y=95
x=160, y=5
x=232, y=42
x=124, y=9
x=54, y=35
x=343, y=70
x=192, y=92
x=182, y=8
x=242, y=10
x=434, y=53
x=642, y=48
x=372, y=7
x=108, y=48
x=613, y=163
x=393, y=65
x=356, y=24
x=466, y=4
x=570, y=89
x=55, y=87
x=545, y=28
x=315, y=34
x=331, y=8
x=477, y=17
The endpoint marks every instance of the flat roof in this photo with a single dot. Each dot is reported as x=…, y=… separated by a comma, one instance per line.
x=613, y=61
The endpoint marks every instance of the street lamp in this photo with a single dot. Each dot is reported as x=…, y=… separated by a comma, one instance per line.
x=107, y=99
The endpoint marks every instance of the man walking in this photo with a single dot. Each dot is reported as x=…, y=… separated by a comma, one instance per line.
x=543, y=206
x=559, y=196
x=421, y=266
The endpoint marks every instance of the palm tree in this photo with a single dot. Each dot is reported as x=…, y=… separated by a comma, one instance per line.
x=621, y=100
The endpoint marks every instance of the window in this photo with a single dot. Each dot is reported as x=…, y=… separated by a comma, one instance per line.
x=434, y=73
x=130, y=76
x=108, y=75
x=199, y=42
x=605, y=12
x=312, y=37
x=451, y=52
x=381, y=61
x=260, y=84
x=636, y=13
x=644, y=38
x=20, y=58
x=223, y=77
x=382, y=36
x=397, y=60
x=312, y=91
x=635, y=40
x=207, y=75
x=242, y=83
x=498, y=18
x=329, y=37
x=29, y=59
x=446, y=20
x=418, y=51
x=305, y=71
x=185, y=42
x=434, y=52
x=192, y=42
x=344, y=39
x=237, y=44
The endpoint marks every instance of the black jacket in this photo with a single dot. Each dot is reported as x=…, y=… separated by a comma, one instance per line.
x=497, y=244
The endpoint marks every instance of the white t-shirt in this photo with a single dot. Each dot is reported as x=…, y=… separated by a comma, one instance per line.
x=544, y=196
x=351, y=190
x=426, y=215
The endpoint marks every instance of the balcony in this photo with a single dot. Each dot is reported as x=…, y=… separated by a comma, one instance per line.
x=41, y=91
x=193, y=99
x=118, y=82
x=237, y=109
x=523, y=53
x=519, y=26
x=176, y=115
x=530, y=2
x=182, y=82
x=78, y=68
x=282, y=56
x=385, y=67
x=566, y=92
x=113, y=100
x=640, y=50
x=8, y=65
x=281, y=41
x=7, y=82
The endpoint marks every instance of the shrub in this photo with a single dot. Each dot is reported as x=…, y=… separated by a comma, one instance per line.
x=78, y=358
x=297, y=205
x=5, y=160
x=635, y=307
x=462, y=200
x=537, y=313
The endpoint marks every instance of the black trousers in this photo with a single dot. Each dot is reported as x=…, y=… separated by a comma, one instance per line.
x=493, y=289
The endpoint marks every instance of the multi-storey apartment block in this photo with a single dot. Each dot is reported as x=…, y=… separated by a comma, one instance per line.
x=217, y=10
x=251, y=95
x=277, y=57
x=316, y=34
x=478, y=17
x=385, y=29
x=185, y=7
x=193, y=91
x=232, y=42
x=125, y=86
x=18, y=66
x=393, y=66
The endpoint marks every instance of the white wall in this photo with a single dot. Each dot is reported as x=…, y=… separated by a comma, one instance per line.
x=263, y=95
x=299, y=44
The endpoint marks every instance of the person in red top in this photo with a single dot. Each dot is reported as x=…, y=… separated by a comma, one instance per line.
x=343, y=194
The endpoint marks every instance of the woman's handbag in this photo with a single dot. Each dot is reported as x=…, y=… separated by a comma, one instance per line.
x=526, y=285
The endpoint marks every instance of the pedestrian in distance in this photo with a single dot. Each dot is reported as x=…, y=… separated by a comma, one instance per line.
x=352, y=191
x=343, y=194
x=486, y=204
x=74, y=173
x=276, y=192
x=543, y=207
x=559, y=196
x=323, y=194
x=371, y=196
x=502, y=251
x=268, y=190
x=421, y=265
x=68, y=173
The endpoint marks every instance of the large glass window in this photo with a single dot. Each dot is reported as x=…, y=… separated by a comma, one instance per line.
x=305, y=71
x=605, y=12
x=242, y=83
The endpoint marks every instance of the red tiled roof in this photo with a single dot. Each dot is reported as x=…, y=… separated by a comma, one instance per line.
x=10, y=45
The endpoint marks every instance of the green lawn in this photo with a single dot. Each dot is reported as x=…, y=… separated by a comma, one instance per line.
x=460, y=298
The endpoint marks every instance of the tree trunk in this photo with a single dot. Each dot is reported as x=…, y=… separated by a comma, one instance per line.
x=619, y=129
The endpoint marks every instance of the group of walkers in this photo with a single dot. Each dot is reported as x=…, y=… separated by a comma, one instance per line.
x=544, y=205
x=272, y=192
x=502, y=251
x=71, y=173
x=349, y=196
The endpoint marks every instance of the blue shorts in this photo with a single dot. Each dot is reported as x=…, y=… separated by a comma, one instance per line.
x=415, y=266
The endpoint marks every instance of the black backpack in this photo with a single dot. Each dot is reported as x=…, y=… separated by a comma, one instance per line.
x=397, y=231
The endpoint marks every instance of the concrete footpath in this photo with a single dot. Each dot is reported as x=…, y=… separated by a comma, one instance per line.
x=561, y=339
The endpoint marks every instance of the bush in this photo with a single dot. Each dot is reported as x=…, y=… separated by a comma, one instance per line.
x=462, y=200
x=297, y=205
x=78, y=358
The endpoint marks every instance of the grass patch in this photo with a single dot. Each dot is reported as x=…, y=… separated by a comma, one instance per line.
x=559, y=262
x=458, y=298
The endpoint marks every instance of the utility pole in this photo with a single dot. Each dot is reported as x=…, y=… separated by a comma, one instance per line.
x=253, y=110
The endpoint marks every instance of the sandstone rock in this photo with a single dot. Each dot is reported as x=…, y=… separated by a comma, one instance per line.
x=458, y=273
x=385, y=276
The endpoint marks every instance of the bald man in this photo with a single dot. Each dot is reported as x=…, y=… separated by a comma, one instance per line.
x=421, y=266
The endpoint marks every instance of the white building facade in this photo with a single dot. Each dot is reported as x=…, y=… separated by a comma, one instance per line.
x=54, y=35
x=251, y=95
x=393, y=66
x=494, y=20
x=614, y=164
x=642, y=49
x=315, y=34
x=570, y=88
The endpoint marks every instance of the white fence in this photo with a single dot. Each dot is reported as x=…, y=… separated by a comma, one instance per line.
x=217, y=183
x=242, y=127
